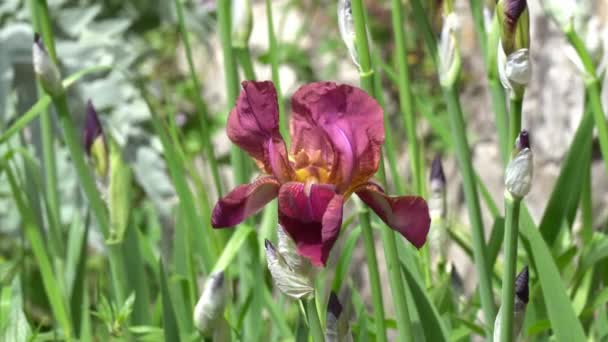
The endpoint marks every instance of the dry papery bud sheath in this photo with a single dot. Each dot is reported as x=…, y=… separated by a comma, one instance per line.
x=336, y=327
x=242, y=22
x=287, y=249
x=45, y=69
x=289, y=282
x=519, y=173
x=209, y=309
x=449, y=58
x=346, y=25
x=522, y=294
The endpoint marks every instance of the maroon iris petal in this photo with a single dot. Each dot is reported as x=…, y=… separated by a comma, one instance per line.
x=92, y=128
x=345, y=124
x=312, y=215
x=244, y=201
x=253, y=125
x=409, y=215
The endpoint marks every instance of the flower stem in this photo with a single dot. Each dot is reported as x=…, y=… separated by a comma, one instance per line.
x=374, y=274
x=274, y=63
x=515, y=116
x=500, y=117
x=314, y=323
x=388, y=236
x=201, y=108
x=405, y=96
x=42, y=23
x=512, y=206
x=244, y=57
x=463, y=155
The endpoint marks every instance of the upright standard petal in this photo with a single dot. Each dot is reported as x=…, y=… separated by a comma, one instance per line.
x=409, y=215
x=253, y=125
x=342, y=122
x=312, y=215
x=244, y=201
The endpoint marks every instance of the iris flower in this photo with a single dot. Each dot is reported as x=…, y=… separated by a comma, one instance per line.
x=337, y=133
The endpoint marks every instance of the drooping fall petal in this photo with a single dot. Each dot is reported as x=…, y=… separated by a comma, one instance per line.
x=409, y=215
x=342, y=122
x=312, y=215
x=244, y=201
x=253, y=125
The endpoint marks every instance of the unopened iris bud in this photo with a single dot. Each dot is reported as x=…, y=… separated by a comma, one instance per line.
x=449, y=58
x=514, y=21
x=287, y=249
x=346, y=25
x=518, y=176
x=522, y=296
x=94, y=141
x=46, y=70
x=292, y=284
x=336, y=327
x=210, y=307
x=242, y=22
x=438, y=210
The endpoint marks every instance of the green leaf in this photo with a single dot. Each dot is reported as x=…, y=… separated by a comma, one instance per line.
x=345, y=257
x=564, y=320
x=233, y=246
x=566, y=192
x=432, y=324
x=496, y=237
x=170, y=326
x=13, y=324
x=119, y=194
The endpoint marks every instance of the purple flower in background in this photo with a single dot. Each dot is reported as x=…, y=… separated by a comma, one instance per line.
x=337, y=132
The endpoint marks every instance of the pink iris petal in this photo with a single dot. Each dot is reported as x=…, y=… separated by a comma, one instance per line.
x=312, y=215
x=409, y=215
x=244, y=201
x=253, y=125
x=345, y=124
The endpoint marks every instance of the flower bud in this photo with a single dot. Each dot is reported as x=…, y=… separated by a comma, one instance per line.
x=346, y=25
x=518, y=176
x=519, y=309
x=94, y=141
x=292, y=284
x=514, y=70
x=242, y=22
x=514, y=20
x=210, y=307
x=438, y=210
x=449, y=59
x=46, y=70
x=287, y=249
x=336, y=327
x=119, y=194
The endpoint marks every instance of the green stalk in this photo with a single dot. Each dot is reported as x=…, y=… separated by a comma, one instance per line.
x=515, y=116
x=512, y=206
x=497, y=92
x=244, y=57
x=587, y=205
x=42, y=23
x=274, y=63
x=389, y=241
x=374, y=274
x=405, y=96
x=463, y=155
x=200, y=105
x=314, y=323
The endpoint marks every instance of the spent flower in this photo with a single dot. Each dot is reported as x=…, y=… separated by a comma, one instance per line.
x=336, y=326
x=438, y=210
x=45, y=68
x=210, y=307
x=519, y=173
x=337, y=132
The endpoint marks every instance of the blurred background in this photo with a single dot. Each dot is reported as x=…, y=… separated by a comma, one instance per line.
x=141, y=37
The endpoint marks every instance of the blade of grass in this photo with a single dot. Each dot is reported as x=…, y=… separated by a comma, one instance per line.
x=170, y=327
x=54, y=295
